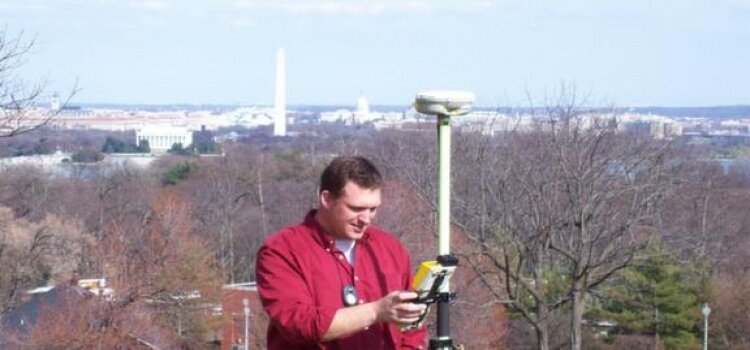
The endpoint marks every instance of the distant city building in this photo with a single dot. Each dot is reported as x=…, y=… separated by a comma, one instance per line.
x=363, y=115
x=738, y=126
x=161, y=138
x=54, y=103
x=170, y=125
x=489, y=122
x=339, y=115
x=661, y=129
x=363, y=106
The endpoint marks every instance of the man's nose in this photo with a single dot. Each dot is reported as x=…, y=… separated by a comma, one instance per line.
x=366, y=216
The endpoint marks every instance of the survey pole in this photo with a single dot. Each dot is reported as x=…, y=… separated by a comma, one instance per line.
x=444, y=105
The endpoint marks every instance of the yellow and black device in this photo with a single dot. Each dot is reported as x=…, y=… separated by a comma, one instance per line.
x=431, y=284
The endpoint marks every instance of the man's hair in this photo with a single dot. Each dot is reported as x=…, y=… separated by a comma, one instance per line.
x=356, y=169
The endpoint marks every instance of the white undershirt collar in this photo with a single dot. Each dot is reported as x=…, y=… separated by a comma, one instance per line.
x=346, y=246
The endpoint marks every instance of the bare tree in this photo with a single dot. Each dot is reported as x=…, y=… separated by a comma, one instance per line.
x=18, y=100
x=705, y=220
x=36, y=253
x=164, y=264
x=233, y=195
x=229, y=202
x=557, y=208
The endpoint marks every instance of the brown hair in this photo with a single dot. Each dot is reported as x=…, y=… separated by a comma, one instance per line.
x=356, y=169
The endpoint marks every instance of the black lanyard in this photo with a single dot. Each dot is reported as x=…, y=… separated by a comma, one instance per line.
x=348, y=292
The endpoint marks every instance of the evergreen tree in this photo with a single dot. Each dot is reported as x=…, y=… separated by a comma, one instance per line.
x=111, y=145
x=203, y=143
x=653, y=298
x=178, y=149
x=177, y=173
x=144, y=147
x=87, y=155
x=115, y=145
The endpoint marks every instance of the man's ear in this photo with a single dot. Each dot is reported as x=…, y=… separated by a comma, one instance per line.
x=326, y=199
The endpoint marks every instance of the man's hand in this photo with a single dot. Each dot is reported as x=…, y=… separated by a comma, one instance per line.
x=397, y=307
x=394, y=307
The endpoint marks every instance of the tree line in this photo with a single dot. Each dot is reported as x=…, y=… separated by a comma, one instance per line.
x=571, y=234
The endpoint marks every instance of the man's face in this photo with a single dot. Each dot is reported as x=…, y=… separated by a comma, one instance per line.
x=349, y=215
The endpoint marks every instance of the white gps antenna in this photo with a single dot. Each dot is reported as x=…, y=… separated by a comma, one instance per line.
x=444, y=102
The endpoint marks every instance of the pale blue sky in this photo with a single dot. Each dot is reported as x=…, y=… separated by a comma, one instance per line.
x=620, y=52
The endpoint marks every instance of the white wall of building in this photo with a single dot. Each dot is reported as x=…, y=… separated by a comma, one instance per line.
x=162, y=137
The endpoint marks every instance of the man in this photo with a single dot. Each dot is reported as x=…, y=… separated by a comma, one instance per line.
x=335, y=281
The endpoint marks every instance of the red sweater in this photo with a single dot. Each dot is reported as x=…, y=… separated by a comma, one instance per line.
x=300, y=275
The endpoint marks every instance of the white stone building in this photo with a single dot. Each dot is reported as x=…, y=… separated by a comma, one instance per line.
x=161, y=138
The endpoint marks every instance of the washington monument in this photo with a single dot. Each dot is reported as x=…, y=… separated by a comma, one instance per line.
x=279, y=118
